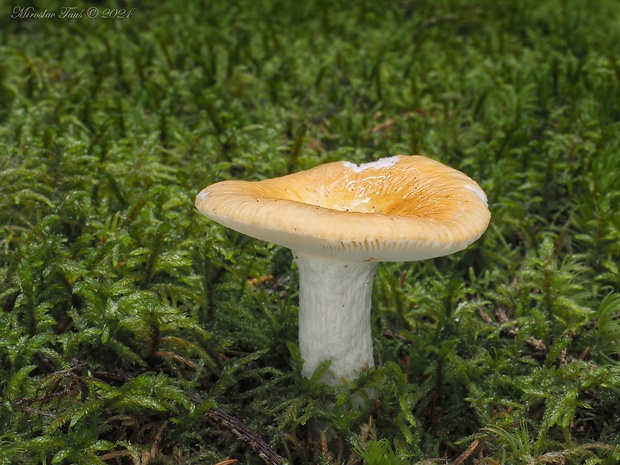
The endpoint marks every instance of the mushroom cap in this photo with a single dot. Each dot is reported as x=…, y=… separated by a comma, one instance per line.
x=402, y=208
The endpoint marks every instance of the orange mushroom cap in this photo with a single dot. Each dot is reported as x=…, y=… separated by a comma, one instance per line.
x=402, y=208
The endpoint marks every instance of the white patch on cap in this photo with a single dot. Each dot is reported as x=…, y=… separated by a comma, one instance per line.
x=479, y=192
x=378, y=164
x=203, y=195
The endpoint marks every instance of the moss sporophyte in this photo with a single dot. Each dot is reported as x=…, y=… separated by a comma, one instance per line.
x=340, y=220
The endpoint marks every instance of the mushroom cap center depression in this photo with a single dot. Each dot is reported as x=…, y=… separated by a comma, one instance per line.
x=399, y=208
x=367, y=188
x=384, y=187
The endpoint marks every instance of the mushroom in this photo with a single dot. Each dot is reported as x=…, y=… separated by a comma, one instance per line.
x=340, y=220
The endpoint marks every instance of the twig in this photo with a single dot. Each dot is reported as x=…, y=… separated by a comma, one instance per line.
x=467, y=452
x=584, y=354
x=242, y=432
x=158, y=438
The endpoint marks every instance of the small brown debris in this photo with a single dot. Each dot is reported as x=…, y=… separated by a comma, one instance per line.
x=467, y=452
x=500, y=315
x=564, y=358
x=584, y=354
x=260, y=280
x=537, y=344
x=157, y=441
x=485, y=316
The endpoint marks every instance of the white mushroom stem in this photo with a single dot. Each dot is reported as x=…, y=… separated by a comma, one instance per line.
x=335, y=298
